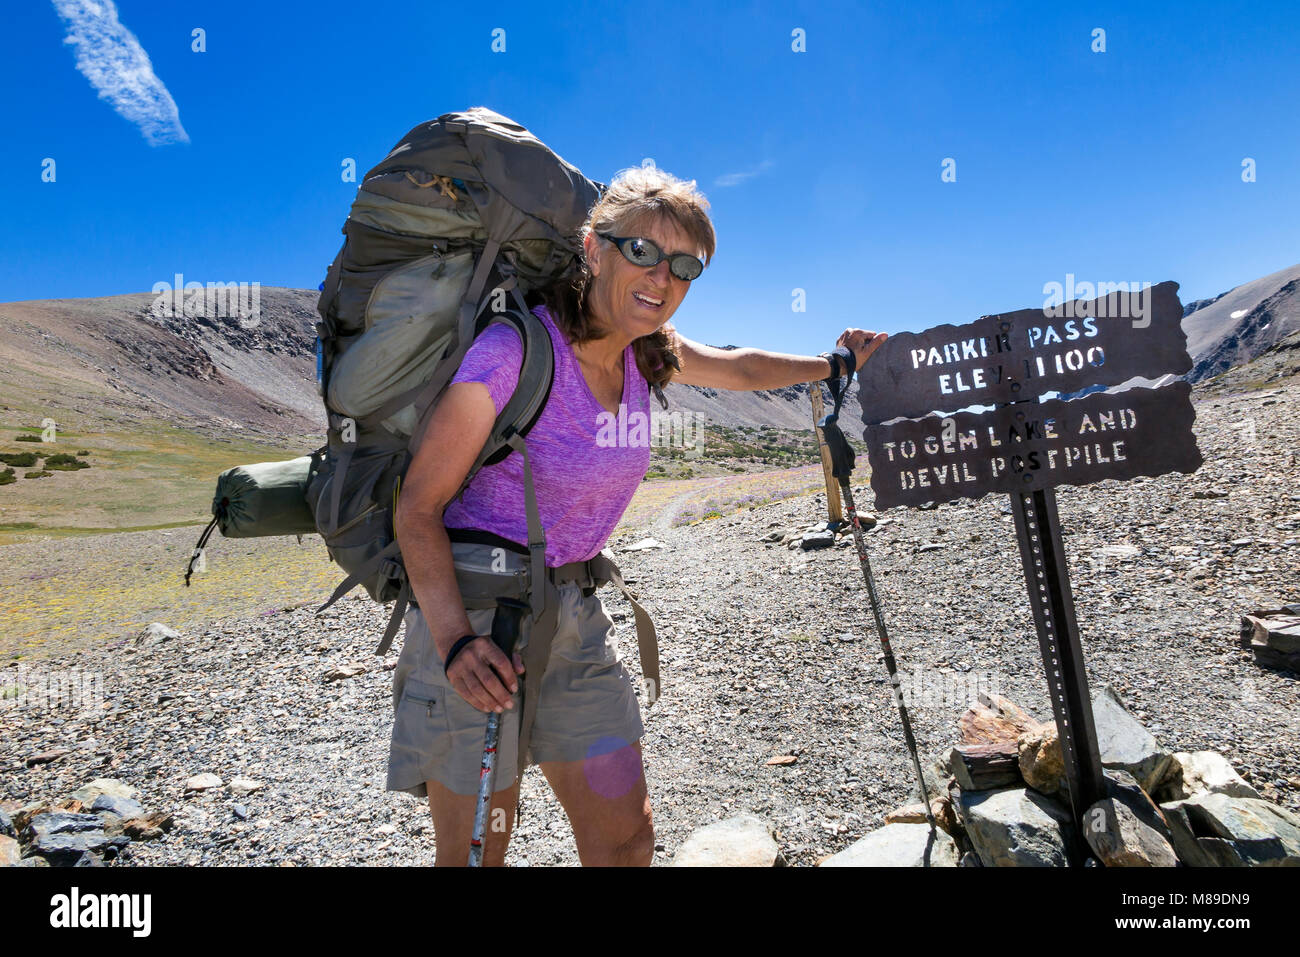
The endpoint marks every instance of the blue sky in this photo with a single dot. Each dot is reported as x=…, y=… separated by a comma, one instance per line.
x=1123, y=165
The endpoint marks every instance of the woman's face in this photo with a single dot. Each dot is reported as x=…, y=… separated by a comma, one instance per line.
x=632, y=299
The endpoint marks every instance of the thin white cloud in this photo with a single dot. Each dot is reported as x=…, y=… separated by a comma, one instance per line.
x=111, y=58
x=735, y=179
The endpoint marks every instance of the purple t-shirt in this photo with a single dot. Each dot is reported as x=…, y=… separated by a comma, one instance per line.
x=587, y=463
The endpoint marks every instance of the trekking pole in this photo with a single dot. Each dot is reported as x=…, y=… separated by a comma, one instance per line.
x=842, y=457
x=505, y=632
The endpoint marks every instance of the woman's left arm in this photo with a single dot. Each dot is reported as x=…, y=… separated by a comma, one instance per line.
x=748, y=370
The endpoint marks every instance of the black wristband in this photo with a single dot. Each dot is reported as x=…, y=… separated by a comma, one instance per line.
x=843, y=362
x=455, y=650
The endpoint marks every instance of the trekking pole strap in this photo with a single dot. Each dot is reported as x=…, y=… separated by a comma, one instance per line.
x=842, y=455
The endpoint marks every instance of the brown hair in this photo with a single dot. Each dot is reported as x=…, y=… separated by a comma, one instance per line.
x=632, y=197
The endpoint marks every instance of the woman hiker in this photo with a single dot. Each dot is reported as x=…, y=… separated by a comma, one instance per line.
x=644, y=242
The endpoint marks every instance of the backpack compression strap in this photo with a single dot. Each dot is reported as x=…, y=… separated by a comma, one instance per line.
x=603, y=569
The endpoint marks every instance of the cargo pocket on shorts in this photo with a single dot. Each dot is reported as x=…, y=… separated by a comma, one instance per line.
x=421, y=734
x=588, y=631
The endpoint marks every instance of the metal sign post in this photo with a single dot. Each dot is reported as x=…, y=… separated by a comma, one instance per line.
x=1048, y=581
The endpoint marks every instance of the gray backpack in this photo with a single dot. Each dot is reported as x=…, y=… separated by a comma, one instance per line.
x=465, y=216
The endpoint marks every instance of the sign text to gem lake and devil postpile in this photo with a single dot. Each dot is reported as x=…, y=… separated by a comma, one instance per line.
x=1032, y=445
x=1023, y=445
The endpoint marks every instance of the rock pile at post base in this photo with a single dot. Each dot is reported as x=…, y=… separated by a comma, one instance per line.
x=999, y=799
x=94, y=824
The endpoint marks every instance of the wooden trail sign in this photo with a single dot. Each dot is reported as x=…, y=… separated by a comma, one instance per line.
x=1026, y=447
x=1021, y=355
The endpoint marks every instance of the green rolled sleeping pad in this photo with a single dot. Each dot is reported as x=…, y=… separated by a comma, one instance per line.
x=269, y=498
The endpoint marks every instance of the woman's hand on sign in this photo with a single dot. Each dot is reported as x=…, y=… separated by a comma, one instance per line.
x=482, y=676
x=861, y=342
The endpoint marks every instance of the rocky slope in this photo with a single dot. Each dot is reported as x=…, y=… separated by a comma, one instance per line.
x=1242, y=323
x=118, y=358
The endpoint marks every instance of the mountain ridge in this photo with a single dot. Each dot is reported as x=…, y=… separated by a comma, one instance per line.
x=128, y=361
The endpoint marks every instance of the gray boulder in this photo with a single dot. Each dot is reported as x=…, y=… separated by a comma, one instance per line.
x=1125, y=744
x=88, y=793
x=742, y=841
x=73, y=850
x=1125, y=829
x=1196, y=772
x=1183, y=838
x=122, y=807
x=813, y=540
x=1244, y=832
x=899, y=845
x=1015, y=827
x=63, y=822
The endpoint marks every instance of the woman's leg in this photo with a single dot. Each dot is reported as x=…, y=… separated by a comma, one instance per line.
x=453, y=825
x=607, y=804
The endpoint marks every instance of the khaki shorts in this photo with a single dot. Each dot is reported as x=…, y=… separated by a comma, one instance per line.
x=587, y=706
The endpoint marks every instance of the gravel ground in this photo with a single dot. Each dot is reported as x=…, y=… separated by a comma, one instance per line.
x=765, y=651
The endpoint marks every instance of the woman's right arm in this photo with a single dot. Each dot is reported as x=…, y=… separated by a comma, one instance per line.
x=456, y=432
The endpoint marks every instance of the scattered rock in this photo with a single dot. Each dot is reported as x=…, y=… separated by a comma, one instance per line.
x=941, y=809
x=148, y=828
x=981, y=767
x=1273, y=636
x=899, y=845
x=10, y=851
x=241, y=786
x=122, y=807
x=1119, y=551
x=75, y=850
x=1120, y=839
x=155, y=634
x=63, y=822
x=345, y=671
x=1042, y=764
x=1198, y=771
x=1183, y=838
x=87, y=794
x=643, y=544
x=45, y=757
x=994, y=718
x=744, y=841
x=203, y=782
x=815, y=540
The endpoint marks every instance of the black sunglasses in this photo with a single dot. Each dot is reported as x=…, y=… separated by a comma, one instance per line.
x=644, y=252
